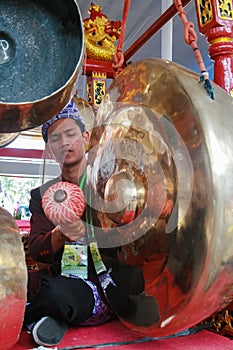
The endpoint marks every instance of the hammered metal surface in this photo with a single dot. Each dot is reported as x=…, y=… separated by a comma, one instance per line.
x=160, y=126
x=13, y=281
x=41, y=45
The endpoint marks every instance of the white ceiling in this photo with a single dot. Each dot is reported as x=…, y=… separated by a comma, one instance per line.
x=142, y=14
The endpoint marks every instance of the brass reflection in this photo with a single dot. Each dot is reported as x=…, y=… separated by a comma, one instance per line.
x=168, y=156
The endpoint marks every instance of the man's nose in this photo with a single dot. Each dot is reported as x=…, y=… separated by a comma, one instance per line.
x=64, y=140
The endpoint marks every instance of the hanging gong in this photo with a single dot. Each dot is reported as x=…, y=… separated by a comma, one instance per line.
x=6, y=139
x=13, y=281
x=162, y=197
x=41, y=46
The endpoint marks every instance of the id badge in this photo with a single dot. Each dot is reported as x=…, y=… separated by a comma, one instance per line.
x=74, y=260
x=96, y=257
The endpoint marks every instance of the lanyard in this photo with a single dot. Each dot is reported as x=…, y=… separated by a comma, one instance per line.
x=96, y=257
x=72, y=263
x=83, y=180
x=90, y=229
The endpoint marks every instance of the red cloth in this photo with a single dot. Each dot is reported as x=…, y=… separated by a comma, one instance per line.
x=115, y=331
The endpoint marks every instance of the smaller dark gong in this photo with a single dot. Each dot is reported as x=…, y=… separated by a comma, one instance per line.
x=41, y=45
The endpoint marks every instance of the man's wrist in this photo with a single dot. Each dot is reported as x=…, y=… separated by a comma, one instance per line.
x=59, y=234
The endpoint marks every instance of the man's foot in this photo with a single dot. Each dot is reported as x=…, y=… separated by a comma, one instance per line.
x=48, y=331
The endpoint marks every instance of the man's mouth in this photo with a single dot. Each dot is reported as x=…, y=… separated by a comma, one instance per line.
x=65, y=154
x=67, y=151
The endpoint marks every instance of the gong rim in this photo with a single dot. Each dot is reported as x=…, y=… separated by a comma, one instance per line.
x=22, y=112
x=192, y=278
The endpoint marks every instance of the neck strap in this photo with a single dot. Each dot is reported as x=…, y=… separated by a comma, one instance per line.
x=83, y=180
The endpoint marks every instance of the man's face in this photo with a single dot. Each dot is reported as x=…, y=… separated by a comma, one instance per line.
x=66, y=142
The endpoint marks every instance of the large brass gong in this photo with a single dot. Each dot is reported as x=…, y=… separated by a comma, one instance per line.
x=163, y=196
x=13, y=281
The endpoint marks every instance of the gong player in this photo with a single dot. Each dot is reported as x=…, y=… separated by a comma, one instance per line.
x=66, y=290
x=57, y=299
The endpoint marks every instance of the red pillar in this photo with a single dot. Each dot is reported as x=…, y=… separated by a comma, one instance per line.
x=215, y=21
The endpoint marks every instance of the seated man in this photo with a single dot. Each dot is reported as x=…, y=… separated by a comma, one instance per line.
x=56, y=302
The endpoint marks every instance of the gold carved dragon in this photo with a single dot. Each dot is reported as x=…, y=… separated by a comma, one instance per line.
x=100, y=34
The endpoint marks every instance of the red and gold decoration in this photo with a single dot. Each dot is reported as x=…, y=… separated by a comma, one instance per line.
x=215, y=20
x=63, y=202
x=96, y=88
x=100, y=36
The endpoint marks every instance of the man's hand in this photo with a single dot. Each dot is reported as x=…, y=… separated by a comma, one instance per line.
x=73, y=231
x=69, y=232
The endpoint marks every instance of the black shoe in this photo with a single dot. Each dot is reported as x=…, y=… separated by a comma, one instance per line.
x=49, y=331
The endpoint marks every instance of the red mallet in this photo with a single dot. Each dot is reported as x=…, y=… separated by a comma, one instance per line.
x=62, y=202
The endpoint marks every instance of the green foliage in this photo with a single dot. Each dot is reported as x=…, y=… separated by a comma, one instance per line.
x=16, y=189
